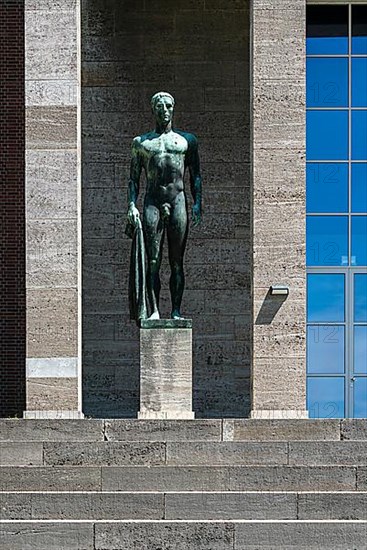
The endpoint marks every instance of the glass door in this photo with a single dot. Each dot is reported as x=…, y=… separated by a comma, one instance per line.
x=337, y=343
x=327, y=376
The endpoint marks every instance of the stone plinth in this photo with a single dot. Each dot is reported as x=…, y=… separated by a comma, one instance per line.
x=166, y=369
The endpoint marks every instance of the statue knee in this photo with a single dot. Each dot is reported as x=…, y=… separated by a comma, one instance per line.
x=177, y=267
x=154, y=265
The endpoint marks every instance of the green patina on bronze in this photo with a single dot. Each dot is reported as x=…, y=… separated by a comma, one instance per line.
x=163, y=154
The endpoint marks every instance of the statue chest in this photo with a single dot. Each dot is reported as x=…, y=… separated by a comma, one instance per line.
x=166, y=144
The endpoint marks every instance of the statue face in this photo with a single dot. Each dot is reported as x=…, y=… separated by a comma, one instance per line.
x=163, y=110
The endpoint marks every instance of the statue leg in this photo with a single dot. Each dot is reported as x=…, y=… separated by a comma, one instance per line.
x=177, y=230
x=153, y=235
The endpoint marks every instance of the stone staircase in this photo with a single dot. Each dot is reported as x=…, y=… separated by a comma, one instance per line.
x=182, y=485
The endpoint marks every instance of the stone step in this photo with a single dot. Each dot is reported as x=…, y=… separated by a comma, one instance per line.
x=198, y=453
x=184, y=506
x=183, y=478
x=182, y=430
x=175, y=535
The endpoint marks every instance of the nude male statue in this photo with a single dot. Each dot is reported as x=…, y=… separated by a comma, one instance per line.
x=164, y=154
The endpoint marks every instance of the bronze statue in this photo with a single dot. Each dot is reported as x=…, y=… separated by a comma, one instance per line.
x=164, y=155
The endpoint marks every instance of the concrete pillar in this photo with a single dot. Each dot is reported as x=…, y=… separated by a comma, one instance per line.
x=52, y=208
x=278, y=209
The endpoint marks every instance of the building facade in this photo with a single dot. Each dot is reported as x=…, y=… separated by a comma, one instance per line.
x=277, y=94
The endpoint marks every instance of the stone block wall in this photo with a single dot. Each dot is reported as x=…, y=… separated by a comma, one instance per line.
x=278, y=213
x=199, y=51
x=12, y=215
x=52, y=204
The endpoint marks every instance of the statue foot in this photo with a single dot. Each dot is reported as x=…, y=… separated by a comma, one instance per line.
x=154, y=316
x=176, y=315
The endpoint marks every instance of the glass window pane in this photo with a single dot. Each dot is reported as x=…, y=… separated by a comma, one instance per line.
x=327, y=135
x=325, y=297
x=325, y=349
x=327, y=29
x=359, y=240
x=359, y=29
x=325, y=397
x=359, y=135
x=359, y=82
x=327, y=187
x=327, y=82
x=360, y=398
x=360, y=298
x=360, y=349
x=359, y=187
x=327, y=240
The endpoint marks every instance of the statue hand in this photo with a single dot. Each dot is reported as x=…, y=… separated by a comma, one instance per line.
x=133, y=215
x=196, y=215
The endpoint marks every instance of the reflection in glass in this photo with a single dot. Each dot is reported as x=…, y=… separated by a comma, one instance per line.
x=359, y=29
x=360, y=298
x=359, y=188
x=327, y=187
x=360, y=349
x=360, y=397
x=326, y=240
x=359, y=135
x=325, y=397
x=359, y=240
x=359, y=82
x=327, y=82
x=325, y=297
x=327, y=135
x=325, y=349
x=327, y=29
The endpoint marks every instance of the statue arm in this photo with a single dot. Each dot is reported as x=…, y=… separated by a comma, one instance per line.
x=134, y=182
x=195, y=180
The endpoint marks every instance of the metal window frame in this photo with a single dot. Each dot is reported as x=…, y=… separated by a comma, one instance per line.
x=336, y=2
x=349, y=271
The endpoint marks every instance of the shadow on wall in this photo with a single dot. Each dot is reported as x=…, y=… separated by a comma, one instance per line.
x=131, y=50
x=269, y=308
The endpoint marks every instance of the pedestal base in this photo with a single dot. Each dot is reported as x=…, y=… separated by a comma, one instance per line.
x=166, y=415
x=48, y=415
x=166, y=370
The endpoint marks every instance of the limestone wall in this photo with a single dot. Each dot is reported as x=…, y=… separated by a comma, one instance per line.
x=278, y=214
x=197, y=50
x=51, y=204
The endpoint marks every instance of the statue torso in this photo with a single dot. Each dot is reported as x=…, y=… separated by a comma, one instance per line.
x=163, y=158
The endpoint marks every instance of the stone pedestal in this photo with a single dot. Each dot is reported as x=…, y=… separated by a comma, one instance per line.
x=166, y=369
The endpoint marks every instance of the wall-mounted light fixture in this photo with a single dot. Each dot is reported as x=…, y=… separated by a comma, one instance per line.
x=279, y=290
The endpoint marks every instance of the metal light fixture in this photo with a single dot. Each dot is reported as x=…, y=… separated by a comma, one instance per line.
x=279, y=290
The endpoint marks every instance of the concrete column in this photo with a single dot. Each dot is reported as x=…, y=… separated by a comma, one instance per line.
x=52, y=208
x=278, y=208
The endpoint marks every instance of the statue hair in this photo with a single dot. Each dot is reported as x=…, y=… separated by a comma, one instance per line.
x=159, y=96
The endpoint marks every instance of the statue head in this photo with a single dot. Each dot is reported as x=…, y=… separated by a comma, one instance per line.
x=162, y=106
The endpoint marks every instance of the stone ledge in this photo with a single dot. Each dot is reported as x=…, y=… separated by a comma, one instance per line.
x=281, y=414
x=166, y=323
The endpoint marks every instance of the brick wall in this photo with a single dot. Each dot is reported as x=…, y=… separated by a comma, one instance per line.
x=198, y=51
x=12, y=217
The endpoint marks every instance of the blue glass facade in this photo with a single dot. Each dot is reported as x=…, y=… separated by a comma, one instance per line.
x=336, y=204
